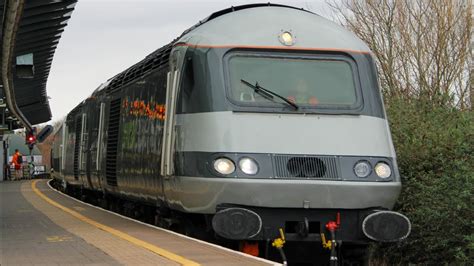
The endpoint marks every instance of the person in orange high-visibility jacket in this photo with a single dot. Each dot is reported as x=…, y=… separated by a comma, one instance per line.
x=16, y=162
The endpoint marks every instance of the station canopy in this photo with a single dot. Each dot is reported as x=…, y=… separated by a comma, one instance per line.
x=36, y=34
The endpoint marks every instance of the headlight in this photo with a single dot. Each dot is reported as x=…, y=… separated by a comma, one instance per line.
x=248, y=166
x=224, y=166
x=383, y=170
x=362, y=169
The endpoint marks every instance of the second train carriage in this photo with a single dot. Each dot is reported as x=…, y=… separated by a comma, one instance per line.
x=260, y=117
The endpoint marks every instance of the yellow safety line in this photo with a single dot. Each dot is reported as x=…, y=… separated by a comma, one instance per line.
x=117, y=233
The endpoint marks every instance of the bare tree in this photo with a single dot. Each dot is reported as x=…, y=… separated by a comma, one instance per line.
x=423, y=48
x=471, y=70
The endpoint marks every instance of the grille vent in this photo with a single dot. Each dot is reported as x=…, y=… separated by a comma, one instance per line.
x=157, y=59
x=112, y=142
x=77, y=146
x=308, y=167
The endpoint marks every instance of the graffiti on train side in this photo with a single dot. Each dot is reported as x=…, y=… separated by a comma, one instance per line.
x=142, y=124
x=140, y=108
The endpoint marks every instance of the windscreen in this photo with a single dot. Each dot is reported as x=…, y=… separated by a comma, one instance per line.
x=310, y=82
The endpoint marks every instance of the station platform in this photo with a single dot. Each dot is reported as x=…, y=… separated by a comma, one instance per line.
x=41, y=226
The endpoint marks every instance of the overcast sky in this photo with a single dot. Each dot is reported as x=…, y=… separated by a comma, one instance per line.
x=104, y=37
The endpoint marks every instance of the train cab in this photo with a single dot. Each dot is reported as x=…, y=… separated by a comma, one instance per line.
x=280, y=119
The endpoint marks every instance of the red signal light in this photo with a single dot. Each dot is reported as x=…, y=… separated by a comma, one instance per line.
x=30, y=138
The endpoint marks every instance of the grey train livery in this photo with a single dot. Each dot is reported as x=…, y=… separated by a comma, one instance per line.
x=259, y=118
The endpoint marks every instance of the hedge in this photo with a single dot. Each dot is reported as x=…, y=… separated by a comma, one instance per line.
x=434, y=146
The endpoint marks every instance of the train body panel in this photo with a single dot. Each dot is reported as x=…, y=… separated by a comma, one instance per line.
x=284, y=134
x=203, y=195
x=121, y=152
x=141, y=129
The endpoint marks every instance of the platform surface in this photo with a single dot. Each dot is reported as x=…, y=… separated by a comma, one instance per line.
x=40, y=226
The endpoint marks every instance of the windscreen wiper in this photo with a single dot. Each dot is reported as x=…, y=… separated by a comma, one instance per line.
x=268, y=93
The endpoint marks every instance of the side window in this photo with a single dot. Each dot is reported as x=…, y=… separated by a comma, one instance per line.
x=187, y=86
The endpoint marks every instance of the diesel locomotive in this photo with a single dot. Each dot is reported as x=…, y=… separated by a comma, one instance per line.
x=258, y=121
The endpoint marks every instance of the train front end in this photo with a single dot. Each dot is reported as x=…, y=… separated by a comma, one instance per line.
x=280, y=125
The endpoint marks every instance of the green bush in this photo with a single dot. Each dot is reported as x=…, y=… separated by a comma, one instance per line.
x=434, y=148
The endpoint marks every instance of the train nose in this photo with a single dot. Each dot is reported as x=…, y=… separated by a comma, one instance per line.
x=237, y=223
x=386, y=226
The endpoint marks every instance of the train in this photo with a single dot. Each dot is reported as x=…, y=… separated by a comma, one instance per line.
x=262, y=122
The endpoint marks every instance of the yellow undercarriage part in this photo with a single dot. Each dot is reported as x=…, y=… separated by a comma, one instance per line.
x=326, y=244
x=279, y=242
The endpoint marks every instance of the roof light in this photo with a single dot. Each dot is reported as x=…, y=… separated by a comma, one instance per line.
x=286, y=38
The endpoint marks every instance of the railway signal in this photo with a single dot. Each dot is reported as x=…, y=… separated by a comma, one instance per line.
x=30, y=139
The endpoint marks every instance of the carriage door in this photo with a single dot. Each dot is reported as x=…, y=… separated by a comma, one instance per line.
x=62, y=169
x=167, y=153
x=83, y=152
x=90, y=135
x=100, y=146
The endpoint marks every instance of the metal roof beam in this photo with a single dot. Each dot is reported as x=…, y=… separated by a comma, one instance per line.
x=13, y=11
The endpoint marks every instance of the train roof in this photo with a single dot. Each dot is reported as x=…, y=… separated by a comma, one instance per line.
x=260, y=25
x=249, y=25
